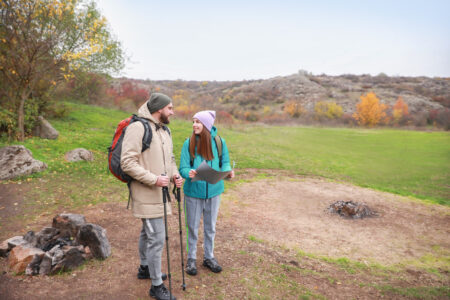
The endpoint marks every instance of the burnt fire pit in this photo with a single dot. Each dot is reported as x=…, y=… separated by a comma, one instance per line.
x=351, y=210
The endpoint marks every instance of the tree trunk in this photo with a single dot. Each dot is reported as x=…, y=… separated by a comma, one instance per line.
x=21, y=116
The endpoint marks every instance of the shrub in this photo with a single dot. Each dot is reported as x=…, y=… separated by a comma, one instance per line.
x=399, y=111
x=370, y=112
x=293, y=108
x=328, y=110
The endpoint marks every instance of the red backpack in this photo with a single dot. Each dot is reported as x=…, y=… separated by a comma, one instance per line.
x=115, y=150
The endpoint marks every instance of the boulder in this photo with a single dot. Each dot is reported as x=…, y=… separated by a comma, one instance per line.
x=31, y=238
x=46, y=237
x=68, y=224
x=20, y=256
x=10, y=243
x=94, y=236
x=46, y=264
x=18, y=161
x=33, y=266
x=79, y=154
x=71, y=258
x=45, y=130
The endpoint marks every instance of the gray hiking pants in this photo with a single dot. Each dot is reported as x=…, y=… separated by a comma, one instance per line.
x=151, y=244
x=195, y=208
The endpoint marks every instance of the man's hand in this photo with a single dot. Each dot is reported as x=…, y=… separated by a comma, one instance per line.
x=178, y=180
x=162, y=181
x=231, y=175
x=192, y=173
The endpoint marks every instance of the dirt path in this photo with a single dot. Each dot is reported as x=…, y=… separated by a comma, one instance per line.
x=261, y=227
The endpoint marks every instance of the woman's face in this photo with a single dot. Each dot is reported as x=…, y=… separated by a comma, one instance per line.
x=197, y=126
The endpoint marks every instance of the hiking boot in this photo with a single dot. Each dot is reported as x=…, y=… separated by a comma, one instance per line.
x=160, y=292
x=212, y=264
x=143, y=273
x=191, y=267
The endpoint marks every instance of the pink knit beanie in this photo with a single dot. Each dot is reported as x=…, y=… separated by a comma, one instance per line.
x=207, y=118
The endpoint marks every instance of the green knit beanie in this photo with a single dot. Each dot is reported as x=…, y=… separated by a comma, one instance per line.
x=158, y=101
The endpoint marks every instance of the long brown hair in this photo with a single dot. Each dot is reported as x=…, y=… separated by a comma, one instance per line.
x=203, y=143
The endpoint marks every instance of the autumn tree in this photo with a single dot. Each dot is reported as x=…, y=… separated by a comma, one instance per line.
x=329, y=110
x=293, y=108
x=45, y=41
x=399, y=110
x=370, y=112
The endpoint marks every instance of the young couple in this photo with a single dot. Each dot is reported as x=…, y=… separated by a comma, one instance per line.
x=156, y=168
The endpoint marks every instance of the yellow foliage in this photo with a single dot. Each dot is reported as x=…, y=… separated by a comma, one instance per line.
x=328, y=110
x=370, y=112
x=399, y=110
x=293, y=108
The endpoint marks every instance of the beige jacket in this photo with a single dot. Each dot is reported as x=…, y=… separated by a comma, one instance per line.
x=145, y=167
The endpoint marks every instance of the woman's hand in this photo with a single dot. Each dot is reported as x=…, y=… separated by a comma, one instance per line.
x=192, y=173
x=178, y=180
x=231, y=175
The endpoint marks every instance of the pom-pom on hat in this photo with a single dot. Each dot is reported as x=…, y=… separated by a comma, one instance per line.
x=207, y=118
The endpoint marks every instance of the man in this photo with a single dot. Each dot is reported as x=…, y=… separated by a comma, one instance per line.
x=152, y=170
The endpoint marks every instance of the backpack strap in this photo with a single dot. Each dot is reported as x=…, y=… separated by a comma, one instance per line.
x=219, y=146
x=147, y=138
x=191, y=158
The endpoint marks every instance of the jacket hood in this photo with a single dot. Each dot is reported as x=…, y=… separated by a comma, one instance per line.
x=143, y=112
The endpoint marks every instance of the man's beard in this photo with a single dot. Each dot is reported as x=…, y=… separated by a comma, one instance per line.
x=164, y=119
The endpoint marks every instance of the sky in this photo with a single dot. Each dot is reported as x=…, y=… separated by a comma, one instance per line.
x=260, y=39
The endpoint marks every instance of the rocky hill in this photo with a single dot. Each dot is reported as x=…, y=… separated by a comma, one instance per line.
x=420, y=93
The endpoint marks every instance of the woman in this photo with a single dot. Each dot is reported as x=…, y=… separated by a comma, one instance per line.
x=201, y=197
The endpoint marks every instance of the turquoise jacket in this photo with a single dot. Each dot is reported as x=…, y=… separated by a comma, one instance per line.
x=202, y=189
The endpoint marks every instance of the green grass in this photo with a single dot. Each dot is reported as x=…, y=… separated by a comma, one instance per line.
x=417, y=292
x=408, y=163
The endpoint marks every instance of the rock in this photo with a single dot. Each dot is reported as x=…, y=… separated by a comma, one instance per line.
x=31, y=238
x=68, y=224
x=20, y=256
x=72, y=258
x=16, y=241
x=87, y=253
x=33, y=266
x=4, y=249
x=18, y=161
x=94, y=236
x=46, y=264
x=45, y=238
x=45, y=130
x=10, y=243
x=79, y=154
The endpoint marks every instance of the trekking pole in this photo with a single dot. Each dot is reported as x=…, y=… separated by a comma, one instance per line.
x=177, y=195
x=166, y=195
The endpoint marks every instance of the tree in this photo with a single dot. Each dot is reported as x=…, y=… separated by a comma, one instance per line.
x=369, y=112
x=399, y=110
x=44, y=41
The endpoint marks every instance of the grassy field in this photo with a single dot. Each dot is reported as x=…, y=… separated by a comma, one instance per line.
x=403, y=162
x=410, y=163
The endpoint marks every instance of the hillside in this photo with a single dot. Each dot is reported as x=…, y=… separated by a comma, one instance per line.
x=421, y=94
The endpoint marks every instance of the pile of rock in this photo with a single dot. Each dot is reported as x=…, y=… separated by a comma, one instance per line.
x=64, y=246
x=350, y=209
